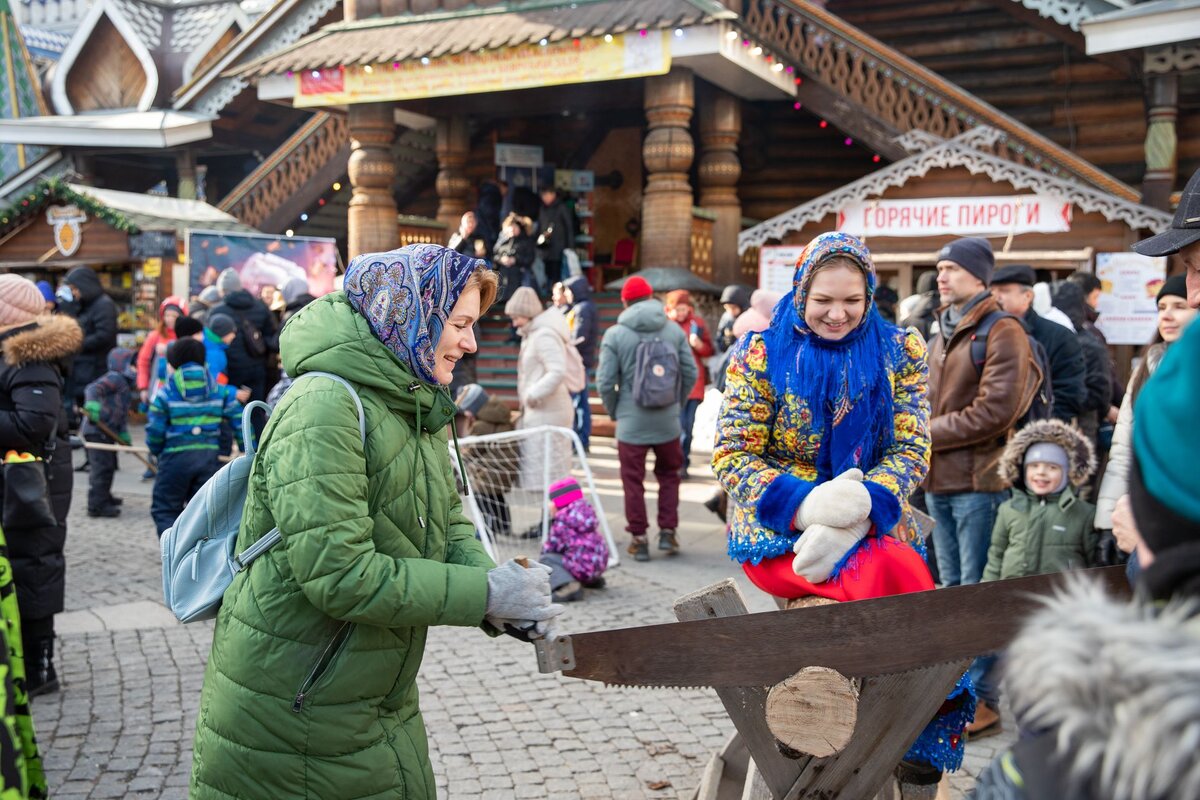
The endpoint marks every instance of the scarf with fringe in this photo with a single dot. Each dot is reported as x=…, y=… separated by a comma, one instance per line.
x=844, y=383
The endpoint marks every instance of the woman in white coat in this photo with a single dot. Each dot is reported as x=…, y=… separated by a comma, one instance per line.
x=542, y=387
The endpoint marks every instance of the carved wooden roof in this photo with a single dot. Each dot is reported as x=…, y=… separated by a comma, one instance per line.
x=20, y=94
x=379, y=40
x=969, y=150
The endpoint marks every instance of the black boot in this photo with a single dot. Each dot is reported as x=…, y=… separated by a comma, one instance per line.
x=40, y=675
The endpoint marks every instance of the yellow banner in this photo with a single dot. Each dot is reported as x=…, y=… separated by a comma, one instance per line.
x=523, y=67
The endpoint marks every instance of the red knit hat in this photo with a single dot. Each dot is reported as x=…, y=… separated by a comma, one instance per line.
x=636, y=288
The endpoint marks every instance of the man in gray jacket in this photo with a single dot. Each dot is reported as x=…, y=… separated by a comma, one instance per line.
x=641, y=428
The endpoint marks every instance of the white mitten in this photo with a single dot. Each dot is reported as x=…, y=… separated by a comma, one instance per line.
x=838, y=503
x=821, y=547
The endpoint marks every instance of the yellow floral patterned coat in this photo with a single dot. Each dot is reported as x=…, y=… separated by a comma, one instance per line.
x=767, y=452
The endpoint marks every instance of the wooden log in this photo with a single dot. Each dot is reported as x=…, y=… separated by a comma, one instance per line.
x=814, y=711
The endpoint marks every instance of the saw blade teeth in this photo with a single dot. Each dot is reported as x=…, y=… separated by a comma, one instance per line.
x=652, y=687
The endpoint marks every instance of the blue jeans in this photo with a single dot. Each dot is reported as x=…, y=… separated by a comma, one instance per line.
x=687, y=419
x=986, y=678
x=583, y=413
x=963, y=533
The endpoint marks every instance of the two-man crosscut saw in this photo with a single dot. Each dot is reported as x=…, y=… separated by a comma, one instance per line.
x=858, y=639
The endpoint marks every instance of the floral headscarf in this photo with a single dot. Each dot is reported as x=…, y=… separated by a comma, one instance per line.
x=845, y=382
x=406, y=295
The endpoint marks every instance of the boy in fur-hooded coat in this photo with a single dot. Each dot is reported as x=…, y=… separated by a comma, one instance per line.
x=1045, y=527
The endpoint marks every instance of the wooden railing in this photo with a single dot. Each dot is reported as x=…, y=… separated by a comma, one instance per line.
x=701, y=262
x=421, y=230
x=321, y=144
x=889, y=86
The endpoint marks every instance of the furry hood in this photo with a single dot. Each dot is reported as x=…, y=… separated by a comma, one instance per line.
x=1117, y=684
x=47, y=339
x=1080, y=453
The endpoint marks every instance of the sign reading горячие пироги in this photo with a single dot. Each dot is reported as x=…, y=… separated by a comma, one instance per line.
x=957, y=216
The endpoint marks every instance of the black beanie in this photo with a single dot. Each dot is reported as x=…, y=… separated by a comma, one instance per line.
x=973, y=254
x=187, y=326
x=185, y=351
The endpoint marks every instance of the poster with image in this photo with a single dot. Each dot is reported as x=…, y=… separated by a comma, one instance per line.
x=777, y=267
x=262, y=260
x=1128, y=285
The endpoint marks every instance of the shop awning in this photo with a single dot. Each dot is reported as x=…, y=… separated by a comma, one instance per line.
x=400, y=39
x=124, y=129
x=150, y=212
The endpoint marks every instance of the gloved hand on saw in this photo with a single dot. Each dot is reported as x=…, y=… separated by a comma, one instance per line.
x=838, y=503
x=519, y=600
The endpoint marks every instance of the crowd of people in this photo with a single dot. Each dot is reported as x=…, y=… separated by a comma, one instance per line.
x=993, y=405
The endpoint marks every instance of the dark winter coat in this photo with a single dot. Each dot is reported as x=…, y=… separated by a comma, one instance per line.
x=1102, y=373
x=98, y=318
x=734, y=295
x=583, y=320
x=1068, y=373
x=973, y=412
x=113, y=391
x=245, y=368
x=555, y=219
x=923, y=315
x=521, y=249
x=31, y=383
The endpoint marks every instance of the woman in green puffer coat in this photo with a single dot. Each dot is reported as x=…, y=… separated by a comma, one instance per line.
x=310, y=689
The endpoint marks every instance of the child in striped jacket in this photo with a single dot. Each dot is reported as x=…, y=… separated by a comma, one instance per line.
x=184, y=430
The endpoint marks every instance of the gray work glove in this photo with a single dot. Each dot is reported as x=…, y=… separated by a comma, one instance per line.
x=519, y=598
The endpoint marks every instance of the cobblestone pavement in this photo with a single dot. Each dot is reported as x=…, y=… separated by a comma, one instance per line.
x=122, y=725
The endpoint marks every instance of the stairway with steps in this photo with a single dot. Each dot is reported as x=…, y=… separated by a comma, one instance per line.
x=496, y=360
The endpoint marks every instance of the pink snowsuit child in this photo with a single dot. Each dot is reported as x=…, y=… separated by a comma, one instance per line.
x=574, y=542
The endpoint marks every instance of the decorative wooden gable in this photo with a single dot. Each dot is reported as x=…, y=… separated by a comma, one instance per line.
x=131, y=54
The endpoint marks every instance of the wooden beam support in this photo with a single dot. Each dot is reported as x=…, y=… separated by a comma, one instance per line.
x=1073, y=39
x=852, y=118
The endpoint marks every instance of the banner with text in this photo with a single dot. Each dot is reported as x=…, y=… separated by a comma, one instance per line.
x=529, y=66
x=777, y=267
x=957, y=216
x=1129, y=285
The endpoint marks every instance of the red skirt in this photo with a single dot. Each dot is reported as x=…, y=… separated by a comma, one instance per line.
x=880, y=567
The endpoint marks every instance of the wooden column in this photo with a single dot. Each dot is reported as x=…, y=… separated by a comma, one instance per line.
x=185, y=175
x=668, y=152
x=719, y=170
x=1161, y=141
x=453, y=147
x=372, y=226
x=360, y=9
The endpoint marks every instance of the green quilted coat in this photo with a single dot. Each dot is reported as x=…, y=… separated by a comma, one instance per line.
x=310, y=689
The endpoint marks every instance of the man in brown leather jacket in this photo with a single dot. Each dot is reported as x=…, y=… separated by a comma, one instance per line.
x=972, y=410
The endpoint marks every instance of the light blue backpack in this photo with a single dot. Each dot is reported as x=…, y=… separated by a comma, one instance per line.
x=198, y=562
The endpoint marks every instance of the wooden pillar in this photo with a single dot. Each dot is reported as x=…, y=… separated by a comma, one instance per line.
x=453, y=147
x=1161, y=141
x=185, y=175
x=372, y=226
x=719, y=170
x=668, y=152
x=360, y=9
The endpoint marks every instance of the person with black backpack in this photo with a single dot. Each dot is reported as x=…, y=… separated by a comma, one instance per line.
x=975, y=406
x=256, y=336
x=1064, y=391
x=646, y=371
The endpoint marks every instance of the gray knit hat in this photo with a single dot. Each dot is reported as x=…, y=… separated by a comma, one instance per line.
x=523, y=303
x=222, y=325
x=972, y=254
x=229, y=282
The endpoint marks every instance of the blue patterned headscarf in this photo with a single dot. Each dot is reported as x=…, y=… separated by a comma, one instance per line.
x=845, y=383
x=406, y=295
